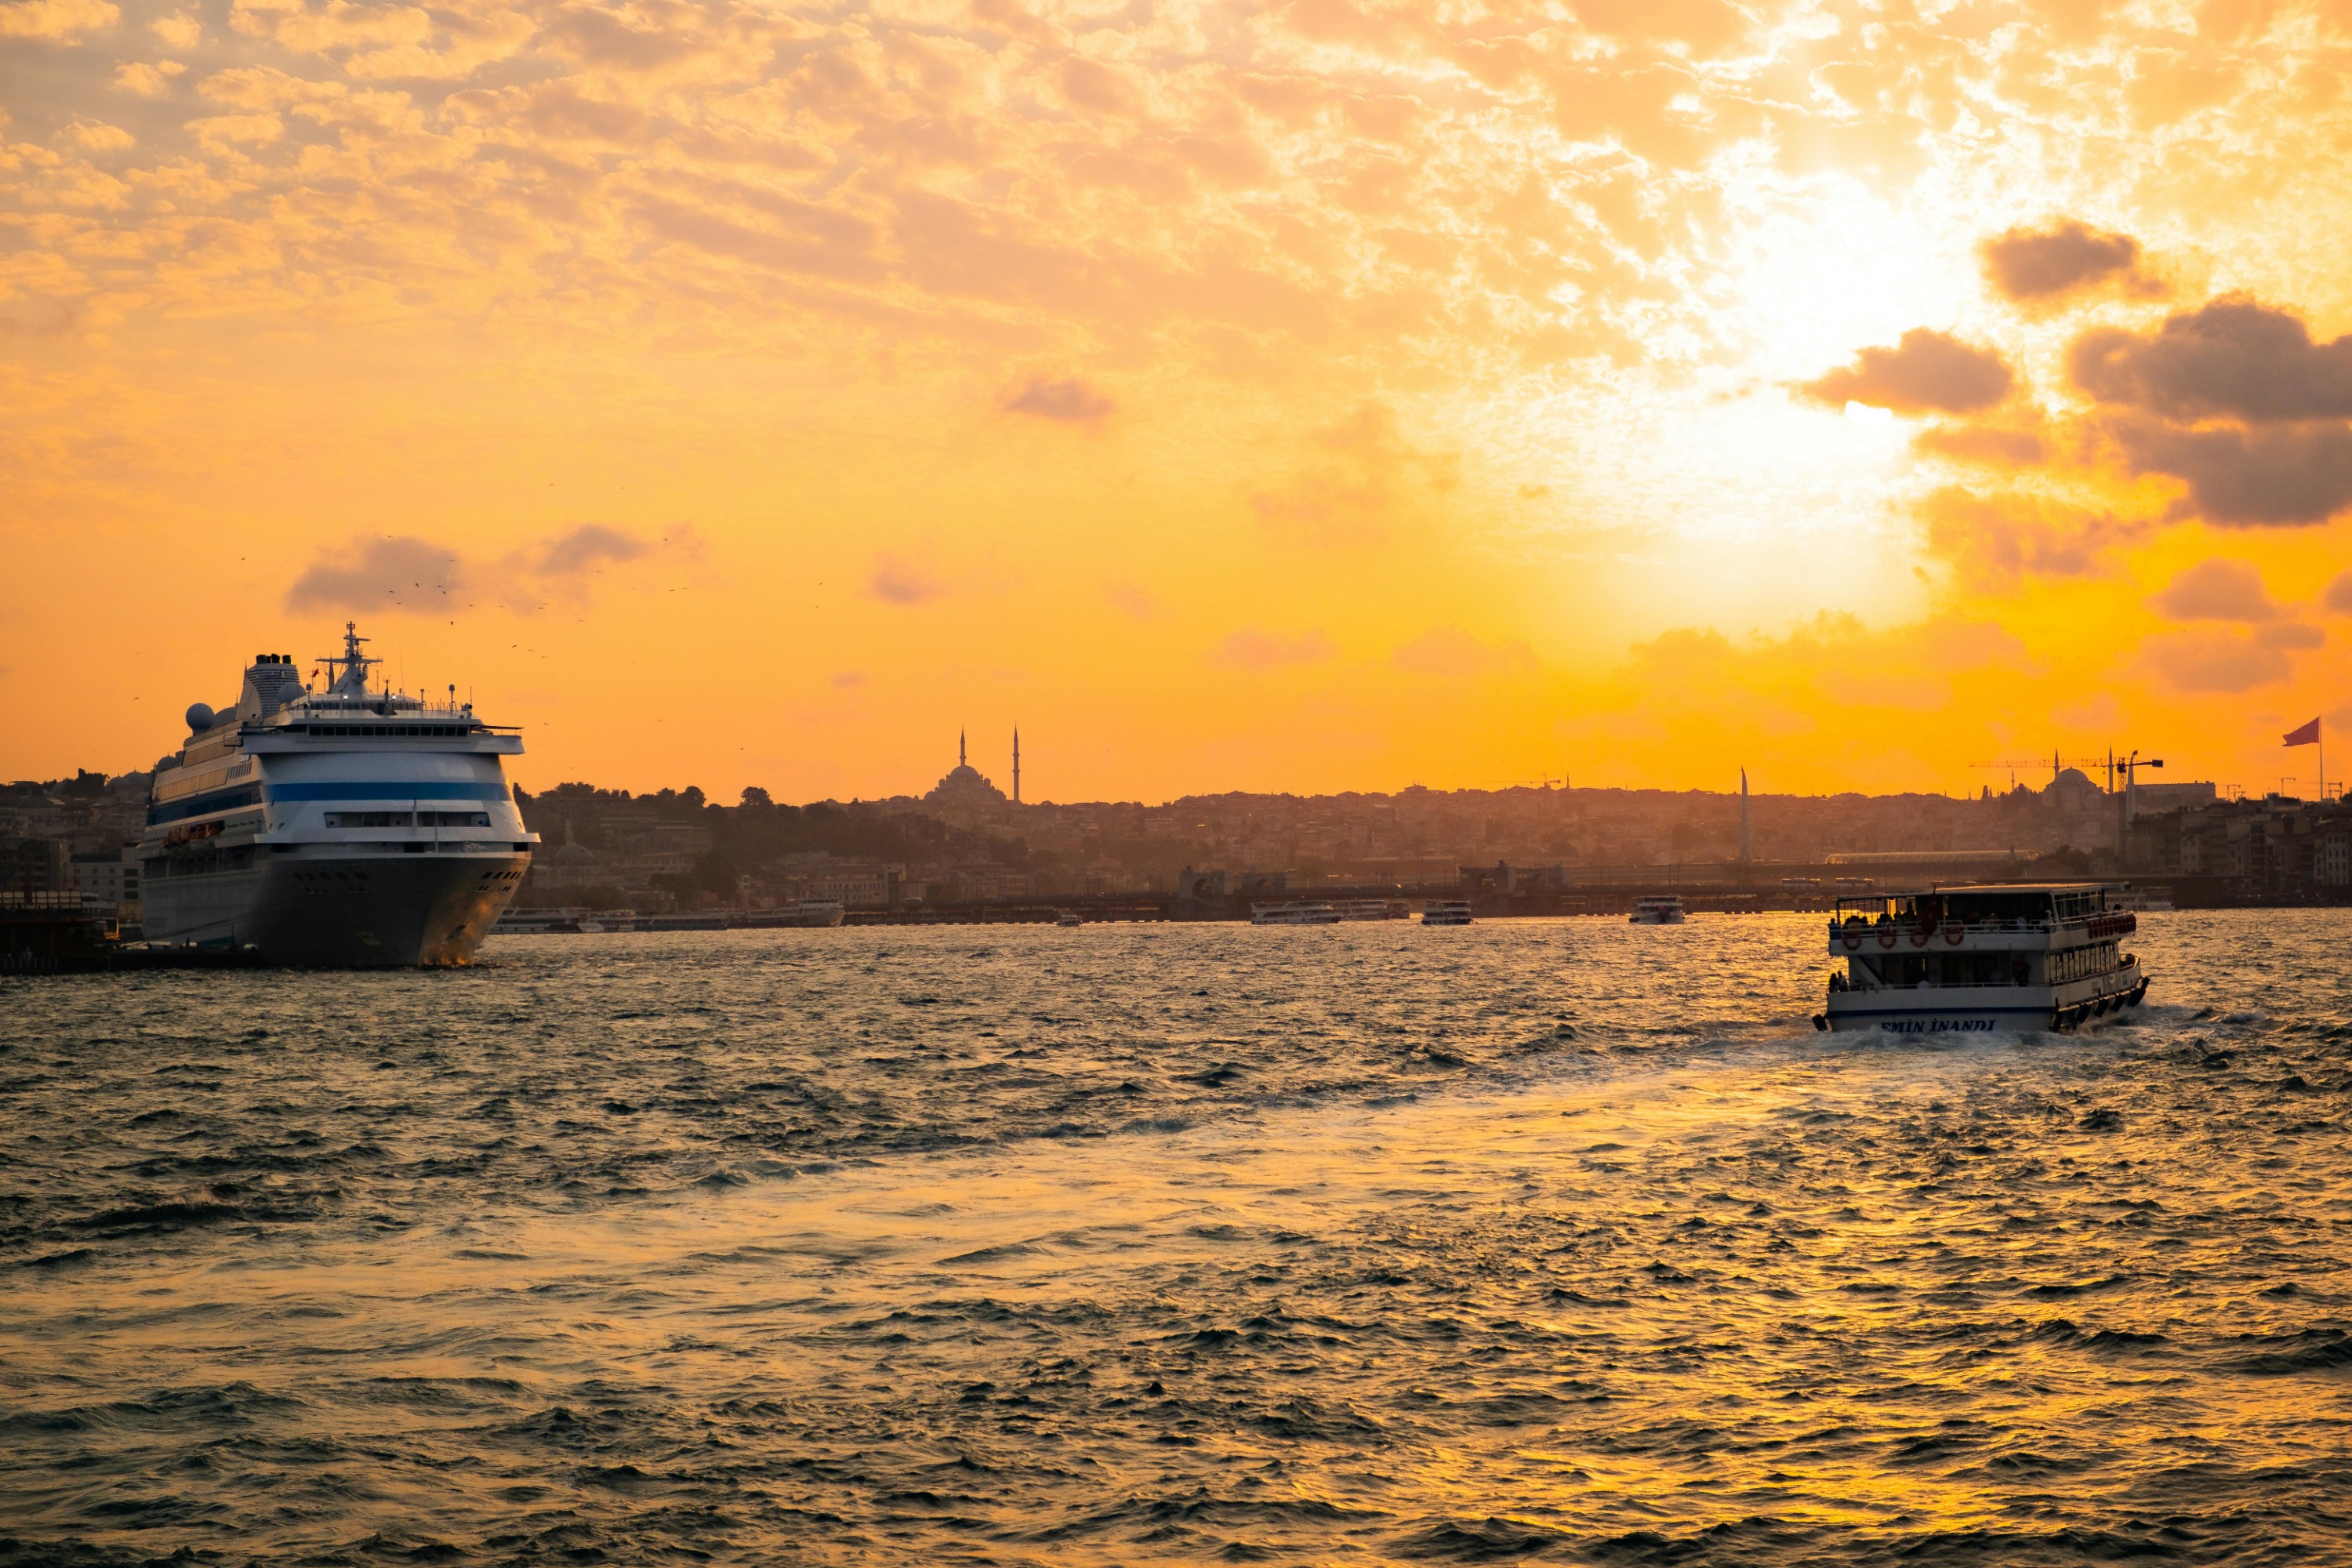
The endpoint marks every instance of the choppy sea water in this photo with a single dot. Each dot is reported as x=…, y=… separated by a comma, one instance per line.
x=1546, y=1240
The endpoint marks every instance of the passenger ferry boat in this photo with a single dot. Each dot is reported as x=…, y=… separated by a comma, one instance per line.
x=1978, y=958
x=1664, y=910
x=349, y=827
x=1297, y=912
x=1370, y=909
x=1445, y=913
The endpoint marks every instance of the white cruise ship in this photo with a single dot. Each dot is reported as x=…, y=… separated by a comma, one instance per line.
x=2006, y=958
x=348, y=827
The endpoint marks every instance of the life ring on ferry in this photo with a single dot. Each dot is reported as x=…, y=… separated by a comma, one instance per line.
x=1852, y=939
x=1919, y=934
x=1955, y=933
x=1887, y=936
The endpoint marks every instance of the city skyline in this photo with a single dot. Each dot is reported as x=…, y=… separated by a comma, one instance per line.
x=1338, y=397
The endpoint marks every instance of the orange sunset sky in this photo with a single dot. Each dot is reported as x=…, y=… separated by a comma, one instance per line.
x=1314, y=397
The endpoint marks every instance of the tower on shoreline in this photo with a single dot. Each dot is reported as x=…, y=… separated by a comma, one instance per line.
x=1747, y=838
x=1016, y=764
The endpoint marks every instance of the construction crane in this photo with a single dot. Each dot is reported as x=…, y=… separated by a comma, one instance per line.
x=2114, y=766
x=2053, y=762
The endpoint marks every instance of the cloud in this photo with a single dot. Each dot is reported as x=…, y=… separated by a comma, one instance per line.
x=97, y=136
x=2214, y=661
x=1253, y=647
x=1453, y=654
x=1826, y=703
x=1360, y=475
x=1927, y=373
x=2338, y=595
x=2217, y=590
x=2290, y=634
x=1993, y=541
x=399, y=573
x=849, y=679
x=1070, y=400
x=1989, y=444
x=406, y=572
x=2234, y=358
x=585, y=550
x=2280, y=476
x=146, y=79
x=57, y=20
x=897, y=581
x=2030, y=265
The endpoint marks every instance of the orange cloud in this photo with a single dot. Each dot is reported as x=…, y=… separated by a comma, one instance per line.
x=1927, y=373
x=2233, y=358
x=1994, y=540
x=2218, y=591
x=405, y=574
x=897, y=581
x=2033, y=266
x=1070, y=400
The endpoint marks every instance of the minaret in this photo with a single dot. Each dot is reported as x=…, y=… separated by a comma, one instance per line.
x=1016, y=764
x=959, y=756
x=1746, y=839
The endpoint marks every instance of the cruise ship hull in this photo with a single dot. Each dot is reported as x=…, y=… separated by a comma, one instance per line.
x=1985, y=1009
x=375, y=911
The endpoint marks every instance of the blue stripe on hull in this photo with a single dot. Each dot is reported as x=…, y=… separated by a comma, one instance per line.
x=197, y=804
x=332, y=789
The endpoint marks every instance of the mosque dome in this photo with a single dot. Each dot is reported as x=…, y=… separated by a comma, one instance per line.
x=964, y=784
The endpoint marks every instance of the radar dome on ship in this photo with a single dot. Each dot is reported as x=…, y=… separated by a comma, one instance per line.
x=200, y=717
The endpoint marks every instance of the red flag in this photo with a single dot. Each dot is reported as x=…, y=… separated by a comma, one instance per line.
x=2306, y=736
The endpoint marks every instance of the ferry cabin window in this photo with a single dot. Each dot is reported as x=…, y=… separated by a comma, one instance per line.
x=2076, y=963
x=368, y=819
x=393, y=731
x=453, y=819
x=1985, y=908
x=1973, y=969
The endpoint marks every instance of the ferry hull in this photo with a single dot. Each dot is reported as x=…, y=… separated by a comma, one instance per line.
x=1983, y=1010
x=383, y=911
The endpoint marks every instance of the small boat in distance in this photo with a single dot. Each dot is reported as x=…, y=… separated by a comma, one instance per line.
x=1975, y=960
x=1069, y=918
x=813, y=912
x=1297, y=912
x=1445, y=913
x=1664, y=910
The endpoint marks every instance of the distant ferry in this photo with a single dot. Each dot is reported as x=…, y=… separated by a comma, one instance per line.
x=348, y=827
x=1445, y=913
x=1298, y=912
x=1657, y=912
x=1370, y=909
x=1980, y=959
